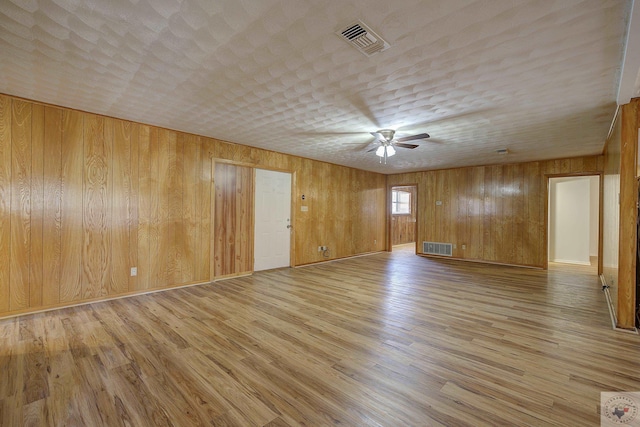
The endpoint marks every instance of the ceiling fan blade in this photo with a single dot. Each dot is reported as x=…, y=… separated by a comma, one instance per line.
x=400, y=144
x=373, y=149
x=378, y=136
x=413, y=137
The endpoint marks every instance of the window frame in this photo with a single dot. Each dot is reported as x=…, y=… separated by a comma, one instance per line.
x=396, y=203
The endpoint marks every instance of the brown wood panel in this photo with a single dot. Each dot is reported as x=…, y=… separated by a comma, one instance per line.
x=20, y=204
x=120, y=199
x=155, y=218
x=189, y=232
x=628, y=216
x=205, y=249
x=233, y=249
x=96, y=261
x=146, y=189
x=36, y=223
x=71, y=246
x=166, y=231
x=476, y=211
x=133, y=206
x=5, y=201
x=52, y=226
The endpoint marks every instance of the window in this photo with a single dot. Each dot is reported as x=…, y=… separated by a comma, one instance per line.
x=400, y=202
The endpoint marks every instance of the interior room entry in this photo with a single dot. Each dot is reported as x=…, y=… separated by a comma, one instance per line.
x=403, y=217
x=574, y=207
x=272, y=240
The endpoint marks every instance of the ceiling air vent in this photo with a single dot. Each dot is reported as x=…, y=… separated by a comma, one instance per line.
x=363, y=38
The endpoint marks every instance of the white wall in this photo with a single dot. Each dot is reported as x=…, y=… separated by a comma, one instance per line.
x=571, y=220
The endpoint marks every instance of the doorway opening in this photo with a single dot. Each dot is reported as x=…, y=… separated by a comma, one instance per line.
x=574, y=222
x=403, y=218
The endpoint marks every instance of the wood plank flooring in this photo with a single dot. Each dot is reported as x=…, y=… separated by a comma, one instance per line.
x=390, y=339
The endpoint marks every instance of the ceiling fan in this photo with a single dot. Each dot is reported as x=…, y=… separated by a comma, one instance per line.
x=387, y=142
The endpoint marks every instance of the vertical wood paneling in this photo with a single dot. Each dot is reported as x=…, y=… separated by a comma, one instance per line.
x=205, y=262
x=498, y=211
x=146, y=190
x=233, y=249
x=20, y=204
x=95, y=196
x=177, y=210
x=176, y=165
x=628, y=216
x=96, y=222
x=155, y=251
x=72, y=207
x=5, y=200
x=120, y=198
x=189, y=231
x=37, y=206
x=134, y=202
x=166, y=230
x=52, y=227
x=476, y=211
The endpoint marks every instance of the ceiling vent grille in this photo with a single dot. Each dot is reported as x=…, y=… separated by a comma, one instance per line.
x=434, y=248
x=363, y=38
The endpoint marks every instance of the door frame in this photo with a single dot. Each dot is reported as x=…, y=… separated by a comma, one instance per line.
x=547, y=178
x=254, y=166
x=389, y=225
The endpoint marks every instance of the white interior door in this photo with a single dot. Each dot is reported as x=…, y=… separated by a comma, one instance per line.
x=272, y=240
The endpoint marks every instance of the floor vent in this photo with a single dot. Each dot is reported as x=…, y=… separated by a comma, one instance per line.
x=434, y=248
x=360, y=36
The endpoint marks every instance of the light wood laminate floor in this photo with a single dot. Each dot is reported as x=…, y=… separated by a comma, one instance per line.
x=390, y=339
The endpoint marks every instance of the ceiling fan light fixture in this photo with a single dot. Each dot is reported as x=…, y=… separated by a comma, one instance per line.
x=390, y=151
x=380, y=151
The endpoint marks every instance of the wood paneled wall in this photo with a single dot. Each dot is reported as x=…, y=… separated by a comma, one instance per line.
x=83, y=198
x=346, y=211
x=628, y=238
x=496, y=212
x=233, y=219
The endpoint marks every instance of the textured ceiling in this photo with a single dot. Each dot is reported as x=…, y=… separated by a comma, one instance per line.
x=537, y=77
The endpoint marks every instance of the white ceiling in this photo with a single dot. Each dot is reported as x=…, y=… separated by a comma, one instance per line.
x=537, y=77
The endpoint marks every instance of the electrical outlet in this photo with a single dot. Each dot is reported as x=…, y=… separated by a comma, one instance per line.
x=134, y=271
x=375, y=242
x=319, y=248
x=464, y=246
x=455, y=246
